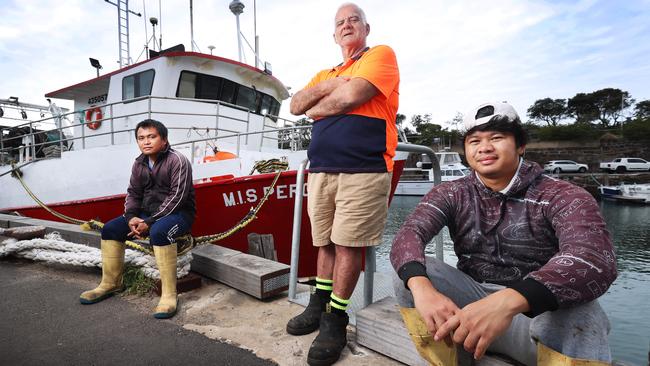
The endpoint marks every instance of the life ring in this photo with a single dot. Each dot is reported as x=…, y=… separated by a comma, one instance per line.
x=94, y=118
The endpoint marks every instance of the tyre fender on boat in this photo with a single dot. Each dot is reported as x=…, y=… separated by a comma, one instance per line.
x=94, y=118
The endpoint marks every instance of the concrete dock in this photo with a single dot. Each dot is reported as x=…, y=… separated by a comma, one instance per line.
x=226, y=325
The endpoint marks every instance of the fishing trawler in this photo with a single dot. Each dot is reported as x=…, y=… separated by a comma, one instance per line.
x=221, y=114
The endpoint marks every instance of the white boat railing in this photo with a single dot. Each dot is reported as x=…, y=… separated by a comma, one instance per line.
x=371, y=260
x=27, y=145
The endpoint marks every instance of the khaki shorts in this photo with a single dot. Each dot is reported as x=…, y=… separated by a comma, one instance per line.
x=348, y=209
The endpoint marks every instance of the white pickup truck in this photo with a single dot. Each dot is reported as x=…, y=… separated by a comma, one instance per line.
x=622, y=165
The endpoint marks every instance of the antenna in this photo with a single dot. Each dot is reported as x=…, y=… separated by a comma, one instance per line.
x=257, y=38
x=123, y=30
x=236, y=7
x=160, y=18
x=192, y=26
x=193, y=44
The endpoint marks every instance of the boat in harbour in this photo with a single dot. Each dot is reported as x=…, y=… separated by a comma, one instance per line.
x=629, y=193
x=418, y=181
x=221, y=114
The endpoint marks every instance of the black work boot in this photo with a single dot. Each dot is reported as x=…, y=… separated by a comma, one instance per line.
x=309, y=319
x=332, y=338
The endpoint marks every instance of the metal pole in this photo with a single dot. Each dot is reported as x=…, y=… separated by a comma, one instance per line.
x=61, y=136
x=248, y=124
x=436, y=180
x=149, y=104
x=33, y=149
x=112, y=126
x=369, y=276
x=192, y=25
x=83, y=134
x=2, y=144
x=439, y=251
x=238, y=38
x=295, y=234
x=257, y=39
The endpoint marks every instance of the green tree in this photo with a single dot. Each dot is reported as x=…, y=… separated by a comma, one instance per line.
x=457, y=122
x=605, y=105
x=642, y=110
x=551, y=111
x=425, y=129
x=582, y=108
x=611, y=103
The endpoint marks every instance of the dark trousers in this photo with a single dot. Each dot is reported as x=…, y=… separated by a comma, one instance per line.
x=161, y=232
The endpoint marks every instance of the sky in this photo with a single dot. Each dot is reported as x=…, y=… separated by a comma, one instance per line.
x=452, y=55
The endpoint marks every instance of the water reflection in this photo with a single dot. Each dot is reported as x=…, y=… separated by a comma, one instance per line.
x=627, y=302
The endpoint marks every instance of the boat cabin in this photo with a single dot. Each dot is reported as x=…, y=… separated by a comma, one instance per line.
x=210, y=95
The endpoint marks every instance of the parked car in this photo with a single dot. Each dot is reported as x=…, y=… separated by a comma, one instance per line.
x=563, y=166
x=622, y=165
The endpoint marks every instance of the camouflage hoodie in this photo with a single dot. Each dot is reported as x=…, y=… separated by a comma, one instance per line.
x=544, y=237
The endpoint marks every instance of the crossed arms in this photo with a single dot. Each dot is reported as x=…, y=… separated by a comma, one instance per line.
x=332, y=97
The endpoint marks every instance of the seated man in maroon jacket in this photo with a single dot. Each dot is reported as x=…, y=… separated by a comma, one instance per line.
x=533, y=253
x=159, y=204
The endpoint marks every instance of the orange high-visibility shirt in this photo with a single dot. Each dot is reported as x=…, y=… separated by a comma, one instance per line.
x=364, y=139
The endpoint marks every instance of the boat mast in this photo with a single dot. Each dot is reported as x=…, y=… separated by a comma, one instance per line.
x=123, y=30
x=237, y=8
x=191, y=26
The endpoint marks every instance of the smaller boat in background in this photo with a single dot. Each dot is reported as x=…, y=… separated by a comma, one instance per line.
x=631, y=193
x=418, y=181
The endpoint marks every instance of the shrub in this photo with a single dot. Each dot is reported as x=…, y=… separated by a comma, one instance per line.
x=567, y=132
x=637, y=130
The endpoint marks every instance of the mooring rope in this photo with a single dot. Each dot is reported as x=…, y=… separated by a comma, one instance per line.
x=53, y=249
x=185, y=243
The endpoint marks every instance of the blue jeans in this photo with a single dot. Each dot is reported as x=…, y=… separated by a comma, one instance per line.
x=579, y=331
x=161, y=232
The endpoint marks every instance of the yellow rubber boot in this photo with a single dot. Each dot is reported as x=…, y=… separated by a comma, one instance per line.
x=437, y=353
x=548, y=357
x=112, y=271
x=166, y=261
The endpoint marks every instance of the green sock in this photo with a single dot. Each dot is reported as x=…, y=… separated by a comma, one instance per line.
x=338, y=305
x=323, y=288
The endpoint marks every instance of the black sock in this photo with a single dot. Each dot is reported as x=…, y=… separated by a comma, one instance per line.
x=323, y=289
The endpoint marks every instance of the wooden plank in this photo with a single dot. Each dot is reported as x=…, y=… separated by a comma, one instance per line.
x=268, y=247
x=255, y=245
x=380, y=328
x=261, y=245
x=253, y=275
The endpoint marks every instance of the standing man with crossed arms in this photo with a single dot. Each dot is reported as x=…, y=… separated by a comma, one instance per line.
x=354, y=137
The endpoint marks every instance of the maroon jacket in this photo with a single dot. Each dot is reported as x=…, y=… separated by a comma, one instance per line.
x=165, y=189
x=544, y=238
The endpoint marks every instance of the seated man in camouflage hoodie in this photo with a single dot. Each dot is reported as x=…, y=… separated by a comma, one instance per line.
x=533, y=253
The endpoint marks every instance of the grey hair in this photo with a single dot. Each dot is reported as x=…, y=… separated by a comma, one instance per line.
x=362, y=14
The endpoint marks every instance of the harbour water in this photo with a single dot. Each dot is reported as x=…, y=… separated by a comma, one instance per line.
x=627, y=303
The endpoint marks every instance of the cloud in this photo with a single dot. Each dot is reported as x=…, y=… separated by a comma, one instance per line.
x=452, y=55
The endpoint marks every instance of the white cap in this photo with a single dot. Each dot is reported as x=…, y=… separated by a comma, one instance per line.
x=486, y=111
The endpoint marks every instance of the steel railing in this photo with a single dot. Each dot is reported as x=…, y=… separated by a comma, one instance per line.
x=28, y=140
x=370, y=261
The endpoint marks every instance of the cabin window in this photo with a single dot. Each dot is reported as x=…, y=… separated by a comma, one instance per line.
x=203, y=86
x=187, y=85
x=229, y=92
x=137, y=85
x=247, y=98
x=269, y=106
